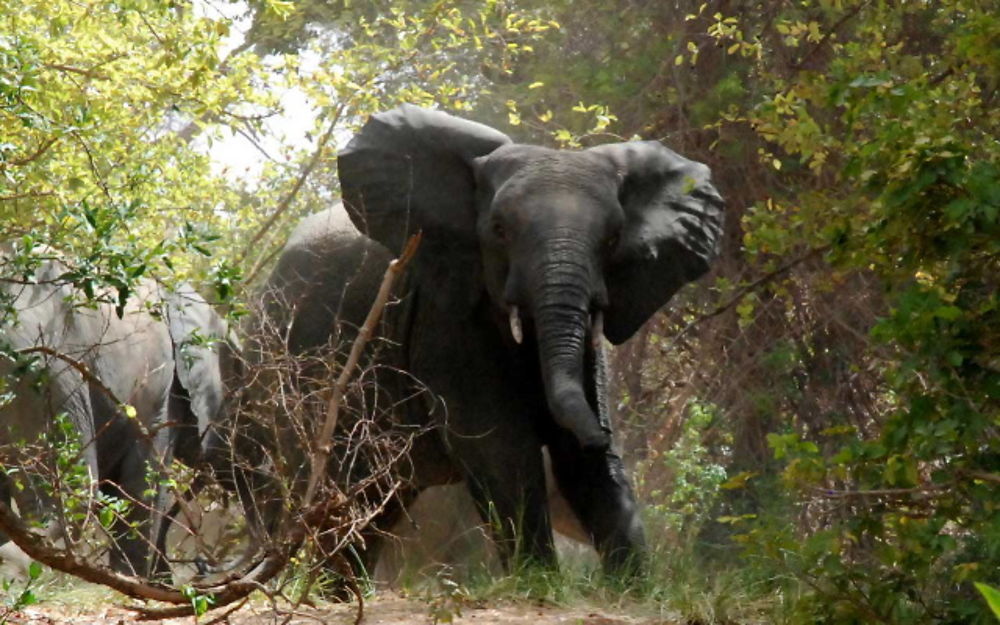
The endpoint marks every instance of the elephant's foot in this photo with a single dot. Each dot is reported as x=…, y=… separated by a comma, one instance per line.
x=598, y=491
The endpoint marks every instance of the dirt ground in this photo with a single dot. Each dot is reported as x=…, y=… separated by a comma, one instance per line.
x=386, y=609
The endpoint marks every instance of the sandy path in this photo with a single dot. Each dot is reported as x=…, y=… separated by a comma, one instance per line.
x=384, y=610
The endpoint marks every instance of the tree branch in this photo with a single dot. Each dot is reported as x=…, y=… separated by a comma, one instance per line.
x=21, y=196
x=741, y=293
x=286, y=202
x=392, y=272
x=20, y=162
x=80, y=367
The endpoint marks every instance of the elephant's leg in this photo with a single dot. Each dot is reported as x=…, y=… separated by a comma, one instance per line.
x=493, y=404
x=519, y=521
x=598, y=491
x=129, y=549
x=6, y=499
x=131, y=532
x=506, y=478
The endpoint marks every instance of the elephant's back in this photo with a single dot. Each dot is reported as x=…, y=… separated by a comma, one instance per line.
x=45, y=328
x=325, y=280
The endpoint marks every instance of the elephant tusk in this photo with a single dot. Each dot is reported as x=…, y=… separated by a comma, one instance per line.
x=515, y=325
x=597, y=329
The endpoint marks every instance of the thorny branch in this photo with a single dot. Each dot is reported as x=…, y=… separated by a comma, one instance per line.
x=286, y=202
x=392, y=272
x=78, y=366
x=335, y=513
x=741, y=293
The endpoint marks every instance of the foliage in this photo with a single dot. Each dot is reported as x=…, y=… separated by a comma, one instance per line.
x=851, y=345
x=18, y=600
x=992, y=596
x=687, y=482
x=90, y=95
x=107, y=109
x=831, y=398
x=884, y=119
x=445, y=605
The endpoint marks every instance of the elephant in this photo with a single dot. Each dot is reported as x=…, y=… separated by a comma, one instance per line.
x=442, y=531
x=160, y=356
x=530, y=257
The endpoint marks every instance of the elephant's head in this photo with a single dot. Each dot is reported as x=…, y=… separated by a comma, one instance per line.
x=566, y=240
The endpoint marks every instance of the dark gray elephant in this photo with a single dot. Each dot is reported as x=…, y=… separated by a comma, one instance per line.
x=529, y=257
x=158, y=358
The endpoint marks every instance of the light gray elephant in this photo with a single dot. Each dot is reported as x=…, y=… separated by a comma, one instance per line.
x=530, y=257
x=138, y=390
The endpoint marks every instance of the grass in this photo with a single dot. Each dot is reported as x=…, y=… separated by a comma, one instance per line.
x=678, y=588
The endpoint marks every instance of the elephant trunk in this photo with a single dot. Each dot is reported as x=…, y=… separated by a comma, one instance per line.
x=563, y=323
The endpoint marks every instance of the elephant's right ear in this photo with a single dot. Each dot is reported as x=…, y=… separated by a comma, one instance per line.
x=410, y=169
x=203, y=352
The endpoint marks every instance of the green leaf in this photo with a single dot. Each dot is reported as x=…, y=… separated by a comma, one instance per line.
x=992, y=596
x=106, y=517
x=949, y=313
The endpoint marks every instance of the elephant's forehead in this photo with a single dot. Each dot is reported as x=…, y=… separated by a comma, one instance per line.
x=538, y=173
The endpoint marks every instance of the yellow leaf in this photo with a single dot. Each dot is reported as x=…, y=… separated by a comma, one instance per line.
x=679, y=59
x=776, y=163
x=739, y=480
x=536, y=85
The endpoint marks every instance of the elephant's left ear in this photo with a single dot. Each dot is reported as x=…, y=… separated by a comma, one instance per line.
x=672, y=232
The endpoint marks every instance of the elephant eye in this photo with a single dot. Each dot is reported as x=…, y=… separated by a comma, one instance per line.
x=612, y=242
x=499, y=231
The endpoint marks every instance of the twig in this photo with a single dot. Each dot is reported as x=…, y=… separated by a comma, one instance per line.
x=262, y=260
x=740, y=294
x=80, y=367
x=982, y=475
x=20, y=162
x=88, y=73
x=352, y=584
x=286, y=202
x=881, y=492
x=224, y=617
x=21, y=196
x=367, y=330
x=254, y=142
x=826, y=36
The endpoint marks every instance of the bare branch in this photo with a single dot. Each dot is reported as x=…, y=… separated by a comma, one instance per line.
x=332, y=521
x=286, y=202
x=392, y=272
x=21, y=196
x=80, y=367
x=741, y=293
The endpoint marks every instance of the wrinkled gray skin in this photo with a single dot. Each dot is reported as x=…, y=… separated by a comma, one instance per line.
x=565, y=238
x=145, y=361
